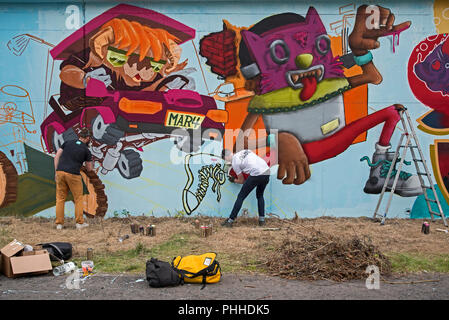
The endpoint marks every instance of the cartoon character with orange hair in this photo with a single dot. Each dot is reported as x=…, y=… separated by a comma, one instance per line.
x=124, y=55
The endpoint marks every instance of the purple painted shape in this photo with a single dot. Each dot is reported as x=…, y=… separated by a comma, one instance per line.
x=76, y=41
x=183, y=98
x=106, y=113
x=300, y=38
x=434, y=70
x=96, y=88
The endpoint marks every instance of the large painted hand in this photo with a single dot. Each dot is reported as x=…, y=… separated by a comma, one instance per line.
x=292, y=160
x=98, y=74
x=370, y=25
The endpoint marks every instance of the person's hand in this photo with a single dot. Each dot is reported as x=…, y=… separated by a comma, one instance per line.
x=98, y=74
x=292, y=160
x=231, y=179
x=178, y=83
x=367, y=29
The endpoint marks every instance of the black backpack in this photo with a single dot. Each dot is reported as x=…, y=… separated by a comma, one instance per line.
x=161, y=274
x=58, y=250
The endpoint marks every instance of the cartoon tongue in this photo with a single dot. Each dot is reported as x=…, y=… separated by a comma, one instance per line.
x=309, y=88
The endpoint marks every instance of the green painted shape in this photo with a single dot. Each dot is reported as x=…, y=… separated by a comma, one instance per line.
x=39, y=163
x=304, y=61
x=420, y=209
x=34, y=195
x=288, y=99
x=37, y=187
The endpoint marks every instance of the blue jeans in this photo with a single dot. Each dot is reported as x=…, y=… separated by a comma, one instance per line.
x=258, y=182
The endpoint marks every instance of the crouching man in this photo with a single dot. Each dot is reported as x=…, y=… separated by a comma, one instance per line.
x=248, y=162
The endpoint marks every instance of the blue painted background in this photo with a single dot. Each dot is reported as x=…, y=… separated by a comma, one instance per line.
x=336, y=186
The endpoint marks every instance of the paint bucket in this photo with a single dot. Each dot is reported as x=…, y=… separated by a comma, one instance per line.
x=87, y=266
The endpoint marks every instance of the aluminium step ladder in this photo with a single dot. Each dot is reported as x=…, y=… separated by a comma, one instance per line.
x=410, y=137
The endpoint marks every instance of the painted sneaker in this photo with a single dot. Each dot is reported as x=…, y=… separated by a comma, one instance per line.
x=59, y=227
x=81, y=226
x=408, y=185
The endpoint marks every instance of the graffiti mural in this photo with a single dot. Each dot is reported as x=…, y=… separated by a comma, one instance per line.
x=216, y=173
x=298, y=84
x=164, y=89
x=428, y=79
x=128, y=98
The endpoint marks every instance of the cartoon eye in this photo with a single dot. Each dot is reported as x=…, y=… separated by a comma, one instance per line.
x=447, y=65
x=323, y=44
x=275, y=51
x=436, y=65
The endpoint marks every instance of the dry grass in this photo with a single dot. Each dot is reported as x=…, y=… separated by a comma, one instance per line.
x=245, y=247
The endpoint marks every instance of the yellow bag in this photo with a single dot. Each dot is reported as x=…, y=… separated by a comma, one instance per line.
x=198, y=268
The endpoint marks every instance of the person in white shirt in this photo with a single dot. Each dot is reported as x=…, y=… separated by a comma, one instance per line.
x=248, y=162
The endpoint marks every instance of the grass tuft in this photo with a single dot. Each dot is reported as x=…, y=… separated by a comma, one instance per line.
x=409, y=262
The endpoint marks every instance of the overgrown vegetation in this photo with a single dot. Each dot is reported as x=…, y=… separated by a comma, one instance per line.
x=331, y=248
x=413, y=262
x=134, y=260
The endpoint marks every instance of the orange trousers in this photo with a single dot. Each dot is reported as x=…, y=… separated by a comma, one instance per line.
x=65, y=182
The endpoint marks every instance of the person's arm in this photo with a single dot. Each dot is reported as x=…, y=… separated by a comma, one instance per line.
x=238, y=171
x=89, y=165
x=57, y=156
x=240, y=179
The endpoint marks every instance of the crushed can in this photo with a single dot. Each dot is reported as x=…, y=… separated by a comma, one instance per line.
x=123, y=238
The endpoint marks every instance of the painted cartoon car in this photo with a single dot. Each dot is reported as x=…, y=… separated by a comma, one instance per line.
x=122, y=113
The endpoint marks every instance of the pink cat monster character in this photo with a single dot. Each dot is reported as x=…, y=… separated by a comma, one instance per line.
x=288, y=62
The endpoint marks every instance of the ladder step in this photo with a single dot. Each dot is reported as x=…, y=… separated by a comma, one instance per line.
x=422, y=173
x=426, y=187
x=431, y=200
x=403, y=146
x=435, y=213
x=418, y=160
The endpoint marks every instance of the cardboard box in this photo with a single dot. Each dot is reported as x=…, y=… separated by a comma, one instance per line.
x=15, y=262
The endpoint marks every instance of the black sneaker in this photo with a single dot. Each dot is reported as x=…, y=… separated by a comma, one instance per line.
x=227, y=223
x=261, y=223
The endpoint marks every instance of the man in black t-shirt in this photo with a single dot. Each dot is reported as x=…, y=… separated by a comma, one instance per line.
x=68, y=161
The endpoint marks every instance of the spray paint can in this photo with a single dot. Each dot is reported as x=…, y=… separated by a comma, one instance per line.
x=90, y=254
x=150, y=230
x=205, y=231
x=425, y=228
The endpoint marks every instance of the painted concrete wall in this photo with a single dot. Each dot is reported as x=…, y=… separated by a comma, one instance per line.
x=37, y=37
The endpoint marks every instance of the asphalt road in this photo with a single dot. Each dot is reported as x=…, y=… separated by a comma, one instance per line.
x=231, y=287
